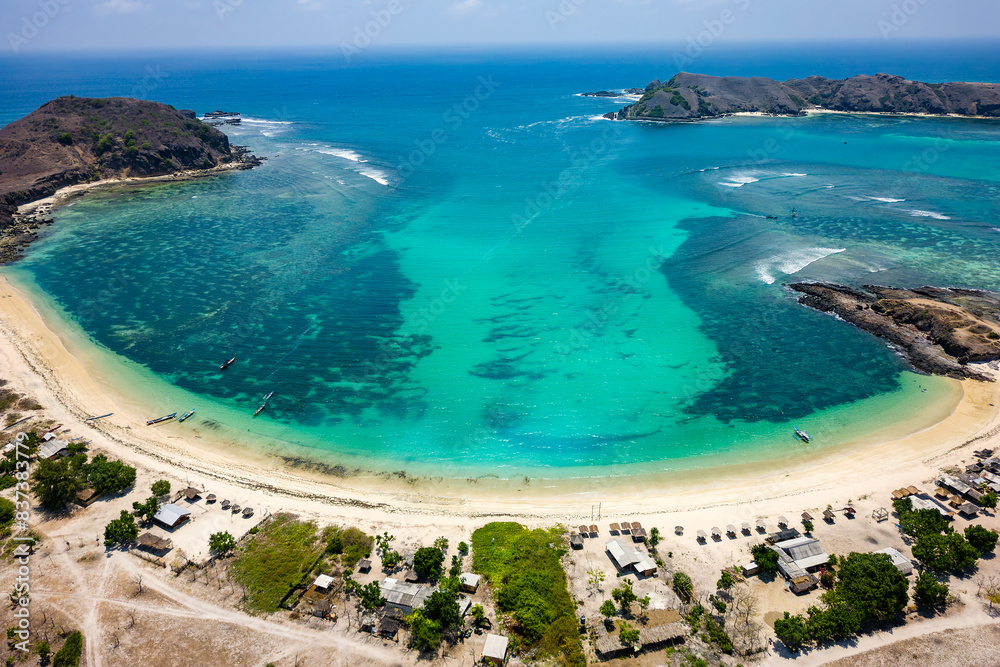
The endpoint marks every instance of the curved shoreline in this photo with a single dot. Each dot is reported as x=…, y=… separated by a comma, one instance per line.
x=71, y=389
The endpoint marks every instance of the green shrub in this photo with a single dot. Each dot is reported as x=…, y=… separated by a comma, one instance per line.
x=69, y=654
x=66, y=139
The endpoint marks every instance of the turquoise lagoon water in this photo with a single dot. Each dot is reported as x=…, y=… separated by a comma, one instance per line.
x=517, y=286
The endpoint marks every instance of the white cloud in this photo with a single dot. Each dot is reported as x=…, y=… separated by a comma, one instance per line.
x=120, y=7
x=463, y=7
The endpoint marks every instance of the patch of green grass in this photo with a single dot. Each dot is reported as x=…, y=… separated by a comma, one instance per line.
x=275, y=561
x=523, y=567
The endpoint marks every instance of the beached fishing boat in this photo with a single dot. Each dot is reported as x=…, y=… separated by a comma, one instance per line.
x=802, y=435
x=187, y=415
x=227, y=364
x=158, y=420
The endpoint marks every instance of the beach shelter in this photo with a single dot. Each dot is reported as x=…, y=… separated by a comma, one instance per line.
x=806, y=516
x=828, y=515
x=614, y=528
x=172, y=515
x=716, y=533
x=678, y=530
x=702, y=536
x=746, y=528
x=583, y=530
x=626, y=526
x=782, y=522
x=593, y=529
x=731, y=530
x=761, y=526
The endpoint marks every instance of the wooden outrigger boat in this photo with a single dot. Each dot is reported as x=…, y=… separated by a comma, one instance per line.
x=159, y=420
x=186, y=416
x=227, y=364
x=263, y=405
x=802, y=435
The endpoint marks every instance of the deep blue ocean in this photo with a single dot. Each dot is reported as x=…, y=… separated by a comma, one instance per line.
x=450, y=263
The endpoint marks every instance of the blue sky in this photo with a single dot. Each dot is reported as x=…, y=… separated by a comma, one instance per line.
x=45, y=25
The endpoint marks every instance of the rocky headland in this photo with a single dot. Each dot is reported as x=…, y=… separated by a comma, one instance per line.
x=939, y=330
x=74, y=141
x=698, y=96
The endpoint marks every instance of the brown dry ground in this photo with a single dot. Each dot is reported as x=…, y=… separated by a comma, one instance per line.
x=968, y=647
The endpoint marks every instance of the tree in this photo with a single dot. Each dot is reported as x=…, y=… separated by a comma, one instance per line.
x=683, y=585
x=370, y=595
x=391, y=559
x=121, y=530
x=792, y=631
x=989, y=500
x=628, y=634
x=479, y=616
x=442, y=606
x=463, y=548
x=7, y=512
x=644, y=605
x=43, y=650
x=56, y=482
x=221, y=543
x=725, y=582
x=928, y=592
x=595, y=578
x=944, y=553
x=919, y=522
x=425, y=634
x=160, y=488
x=69, y=654
x=765, y=557
x=982, y=539
x=608, y=609
x=427, y=562
x=109, y=476
x=148, y=509
x=837, y=620
x=384, y=541
x=654, y=536
x=871, y=585
x=442, y=544
x=624, y=595
x=808, y=525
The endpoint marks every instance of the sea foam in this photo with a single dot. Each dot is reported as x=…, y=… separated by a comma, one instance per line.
x=791, y=262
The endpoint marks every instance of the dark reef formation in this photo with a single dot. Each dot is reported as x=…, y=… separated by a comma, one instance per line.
x=940, y=331
x=74, y=140
x=698, y=96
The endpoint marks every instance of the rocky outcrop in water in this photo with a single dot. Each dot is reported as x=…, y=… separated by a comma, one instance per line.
x=940, y=331
x=698, y=96
x=75, y=140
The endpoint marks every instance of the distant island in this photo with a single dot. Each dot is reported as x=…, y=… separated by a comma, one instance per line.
x=698, y=96
x=940, y=331
x=72, y=141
